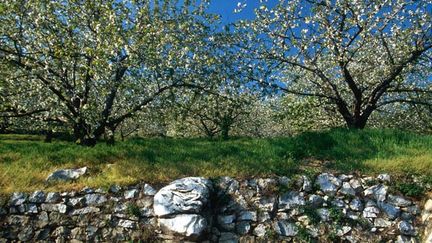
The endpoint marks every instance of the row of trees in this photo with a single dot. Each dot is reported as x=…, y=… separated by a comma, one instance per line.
x=95, y=68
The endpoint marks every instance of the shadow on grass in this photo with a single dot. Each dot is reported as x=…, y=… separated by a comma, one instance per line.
x=155, y=159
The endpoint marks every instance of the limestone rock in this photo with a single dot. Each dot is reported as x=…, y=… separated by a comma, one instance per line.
x=285, y=228
x=406, y=228
x=191, y=226
x=379, y=192
x=188, y=195
x=260, y=230
x=149, y=190
x=37, y=197
x=66, y=174
x=328, y=183
x=291, y=200
x=347, y=189
x=398, y=201
x=18, y=198
x=95, y=199
x=391, y=211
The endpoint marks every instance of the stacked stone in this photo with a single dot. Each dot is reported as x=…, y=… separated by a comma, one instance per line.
x=87, y=215
x=325, y=208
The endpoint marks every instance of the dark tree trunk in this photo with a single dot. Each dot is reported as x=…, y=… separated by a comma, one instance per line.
x=48, y=136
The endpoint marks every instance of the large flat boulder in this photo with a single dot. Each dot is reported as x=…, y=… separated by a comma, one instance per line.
x=187, y=195
x=66, y=174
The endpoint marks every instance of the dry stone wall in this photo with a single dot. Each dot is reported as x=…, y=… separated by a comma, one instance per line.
x=324, y=208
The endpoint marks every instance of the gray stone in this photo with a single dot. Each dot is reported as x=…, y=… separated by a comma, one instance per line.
x=191, y=226
x=260, y=230
x=398, y=201
x=347, y=189
x=26, y=234
x=85, y=210
x=291, y=200
x=31, y=209
x=129, y=194
x=371, y=212
x=324, y=214
x=328, y=183
x=95, y=199
x=391, y=211
x=227, y=222
x=382, y=223
x=384, y=177
x=343, y=231
x=263, y=217
x=345, y=177
x=356, y=185
x=406, y=228
x=356, y=205
x=307, y=184
x=414, y=210
x=247, y=216
x=243, y=228
x=74, y=202
x=37, y=197
x=149, y=190
x=285, y=228
x=226, y=219
x=188, y=195
x=42, y=220
x=53, y=197
x=127, y=224
x=379, y=192
x=60, y=207
x=67, y=174
x=338, y=203
x=315, y=201
x=18, y=198
x=265, y=203
x=114, y=189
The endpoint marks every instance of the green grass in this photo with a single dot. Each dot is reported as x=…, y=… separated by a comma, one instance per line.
x=25, y=161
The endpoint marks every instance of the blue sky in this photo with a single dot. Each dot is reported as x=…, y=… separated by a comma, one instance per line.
x=225, y=8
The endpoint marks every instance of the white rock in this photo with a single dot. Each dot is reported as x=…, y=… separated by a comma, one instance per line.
x=382, y=223
x=187, y=195
x=328, y=183
x=149, y=190
x=189, y=225
x=61, y=208
x=66, y=174
x=406, y=228
x=356, y=205
x=129, y=194
x=127, y=223
x=371, y=212
x=260, y=230
x=291, y=200
x=379, y=192
x=53, y=197
x=343, y=231
x=17, y=198
x=95, y=199
x=247, y=216
x=347, y=189
x=398, y=201
x=37, y=197
x=285, y=228
x=384, y=177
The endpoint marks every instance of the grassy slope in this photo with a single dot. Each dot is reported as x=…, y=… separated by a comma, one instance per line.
x=25, y=161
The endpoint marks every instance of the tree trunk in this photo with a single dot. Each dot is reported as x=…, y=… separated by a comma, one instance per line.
x=357, y=122
x=48, y=136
